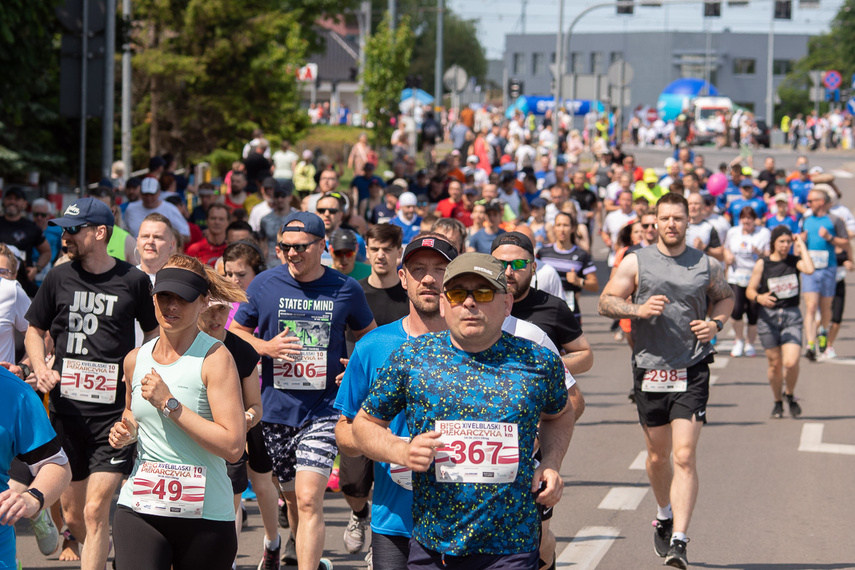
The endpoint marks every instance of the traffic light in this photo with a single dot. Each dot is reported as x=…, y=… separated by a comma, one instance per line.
x=515, y=88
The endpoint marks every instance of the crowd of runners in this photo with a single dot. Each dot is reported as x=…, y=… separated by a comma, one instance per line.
x=412, y=339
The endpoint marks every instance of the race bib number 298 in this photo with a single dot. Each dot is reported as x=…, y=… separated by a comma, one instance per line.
x=664, y=381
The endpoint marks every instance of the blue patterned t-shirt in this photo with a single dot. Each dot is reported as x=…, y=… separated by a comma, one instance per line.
x=514, y=381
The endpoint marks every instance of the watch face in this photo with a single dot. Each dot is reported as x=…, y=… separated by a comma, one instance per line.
x=172, y=404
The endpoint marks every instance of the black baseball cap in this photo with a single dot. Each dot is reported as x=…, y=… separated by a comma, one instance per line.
x=16, y=191
x=433, y=243
x=513, y=238
x=343, y=240
x=85, y=211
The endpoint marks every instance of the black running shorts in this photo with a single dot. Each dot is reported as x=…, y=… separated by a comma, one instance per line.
x=86, y=441
x=661, y=408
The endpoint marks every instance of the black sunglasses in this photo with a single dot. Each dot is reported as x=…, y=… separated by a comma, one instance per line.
x=332, y=211
x=74, y=230
x=40, y=214
x=647, y=226
x=515, y=264
x=298, y=247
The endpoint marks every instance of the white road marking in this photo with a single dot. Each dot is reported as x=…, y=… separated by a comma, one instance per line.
x=713, y=379
x=640, y=461
x=844, y=361
x=720, y=361
x=587, y=548
x=623, y=498
x=842, y=174
x=811, y=441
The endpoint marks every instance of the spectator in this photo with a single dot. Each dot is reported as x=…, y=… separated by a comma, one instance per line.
x=149, y=203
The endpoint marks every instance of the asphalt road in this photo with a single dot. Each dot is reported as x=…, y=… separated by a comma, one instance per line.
x=774, y=494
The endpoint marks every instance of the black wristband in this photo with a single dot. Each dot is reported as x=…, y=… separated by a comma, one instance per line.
x=718, y=324
x=33, y=492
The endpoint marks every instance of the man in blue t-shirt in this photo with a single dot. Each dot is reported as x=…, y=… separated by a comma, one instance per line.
x=749, y=198
x=821, y=232
x=27, y=435
x=301, y=309
x=476, y=505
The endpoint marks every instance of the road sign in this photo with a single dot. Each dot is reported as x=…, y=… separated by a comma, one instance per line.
x=308, y=72
x=652, y=114
x=455, y=78
x=832, y=79
x=850, y=106
x=615, y=75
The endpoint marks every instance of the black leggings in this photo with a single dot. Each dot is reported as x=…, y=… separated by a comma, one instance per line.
x=150, y=542
x=838, y=303
x=741, y=305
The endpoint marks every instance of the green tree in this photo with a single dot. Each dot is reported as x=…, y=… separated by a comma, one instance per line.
x=208, y=73
x=387, y=61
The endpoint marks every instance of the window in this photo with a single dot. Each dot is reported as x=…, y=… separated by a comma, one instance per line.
x=626, y=8
x=552, y=57
x=737, y=2
x=783, y=9
x=712, y=9
x=576, y=62
x=744, y=66
x=615, y=56
x=519, y=64
x=782, y=66
x=537, y=67
x=693, y=65
x=596, y=61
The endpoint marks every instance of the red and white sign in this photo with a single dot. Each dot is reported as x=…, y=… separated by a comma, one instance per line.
x=89, y=381
x=665, y=381
x=308, y=72
x=477, y=452
x=169, y=490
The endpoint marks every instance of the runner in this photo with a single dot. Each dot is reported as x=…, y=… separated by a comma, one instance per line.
x=300, y=309
x=671, y=285
x=743, y=246
x=28, y=436
x=184, y=404
x=774, y=287
x=89, y=307
x=500, y=526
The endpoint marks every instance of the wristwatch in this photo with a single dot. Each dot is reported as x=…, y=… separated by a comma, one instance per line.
x=25, y=370
x=171, y=405
x=32, y=491
x=718, y=324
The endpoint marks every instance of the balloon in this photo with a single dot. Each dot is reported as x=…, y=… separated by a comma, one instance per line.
x=716, y=184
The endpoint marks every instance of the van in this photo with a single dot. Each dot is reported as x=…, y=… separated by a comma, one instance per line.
x=707, y=125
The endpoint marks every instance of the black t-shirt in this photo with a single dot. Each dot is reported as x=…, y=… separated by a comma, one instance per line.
x=23, y=234
x=549, y=313
x=246, y=358
x=91, y=319
x=387, y=305
x=586, y=198
x=769, y=178
x=257, y=167
x=782, y=279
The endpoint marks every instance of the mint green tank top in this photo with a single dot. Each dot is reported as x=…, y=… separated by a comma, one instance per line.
x=160, y=441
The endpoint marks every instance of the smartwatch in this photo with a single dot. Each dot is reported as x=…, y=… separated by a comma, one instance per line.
x=718, y=324
x=33, y=492
x=25, y=370
x=171, y=405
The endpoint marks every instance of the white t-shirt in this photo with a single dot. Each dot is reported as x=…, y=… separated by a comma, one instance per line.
x=136, y=213
x=721, y=225
x=743, y=247
x=283, y=163
x=532, y=332
x=258, y=211
x=548, y=280
x=13, y=306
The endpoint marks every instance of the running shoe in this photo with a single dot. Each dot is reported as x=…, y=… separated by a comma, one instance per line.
x=795, y=408
x=325, y=564
x=283, y=515
x=749, y=350
x=676, y=557
x=369, y=559
x=829, y=354
x=822, y=340
x=354, y=533
x=334, y=485
x=778, y=410
x=249, y=494
x=47, y=535
x=810, y=354
x=662, y=535
x=289, y=557
x=738, y=348
x=270, y=561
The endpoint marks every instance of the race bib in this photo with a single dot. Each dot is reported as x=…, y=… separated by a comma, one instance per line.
x=401, y=474
x=664, y=381
x=741, y=277
x=86, y=381
x=820, y=258
x=784, y=287
x=477, y=452
x=309, y=369
x=169, y=490
x=570, y=298
x=841, y=273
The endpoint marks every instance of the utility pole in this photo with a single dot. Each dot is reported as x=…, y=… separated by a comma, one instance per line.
x=437, y=71
x=84, y=74
x=108, y=118
x=126, y=90
x=364, y=18
x=522, y=17
x=393, y=16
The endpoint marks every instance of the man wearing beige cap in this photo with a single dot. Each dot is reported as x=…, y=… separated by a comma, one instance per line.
x=471, y=452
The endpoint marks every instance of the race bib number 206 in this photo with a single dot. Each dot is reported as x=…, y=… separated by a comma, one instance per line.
x=477, y=452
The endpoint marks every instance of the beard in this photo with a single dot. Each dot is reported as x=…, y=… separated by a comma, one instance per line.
x=520, y=287
x=425, y=309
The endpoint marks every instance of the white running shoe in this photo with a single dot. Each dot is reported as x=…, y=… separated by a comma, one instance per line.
x=749, y=350
x=47, y=536
x=354, y=533
x=738, y=347
x=828, y=354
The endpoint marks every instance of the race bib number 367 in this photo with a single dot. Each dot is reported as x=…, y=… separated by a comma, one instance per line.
x=664, y=381
x=89, y=381
x=477, y=452
x=169, y=490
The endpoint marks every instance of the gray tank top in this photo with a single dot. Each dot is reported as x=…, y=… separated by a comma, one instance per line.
x=666, y=341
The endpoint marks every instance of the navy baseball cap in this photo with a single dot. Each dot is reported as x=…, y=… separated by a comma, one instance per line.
x=85, y=211
x=312, y=224
x=433, y=243
x=746, y=183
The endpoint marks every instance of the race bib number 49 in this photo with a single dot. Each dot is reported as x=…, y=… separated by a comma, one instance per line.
x=664, y=381
x=89, y=381
x=477, y=452
x=169, y=490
